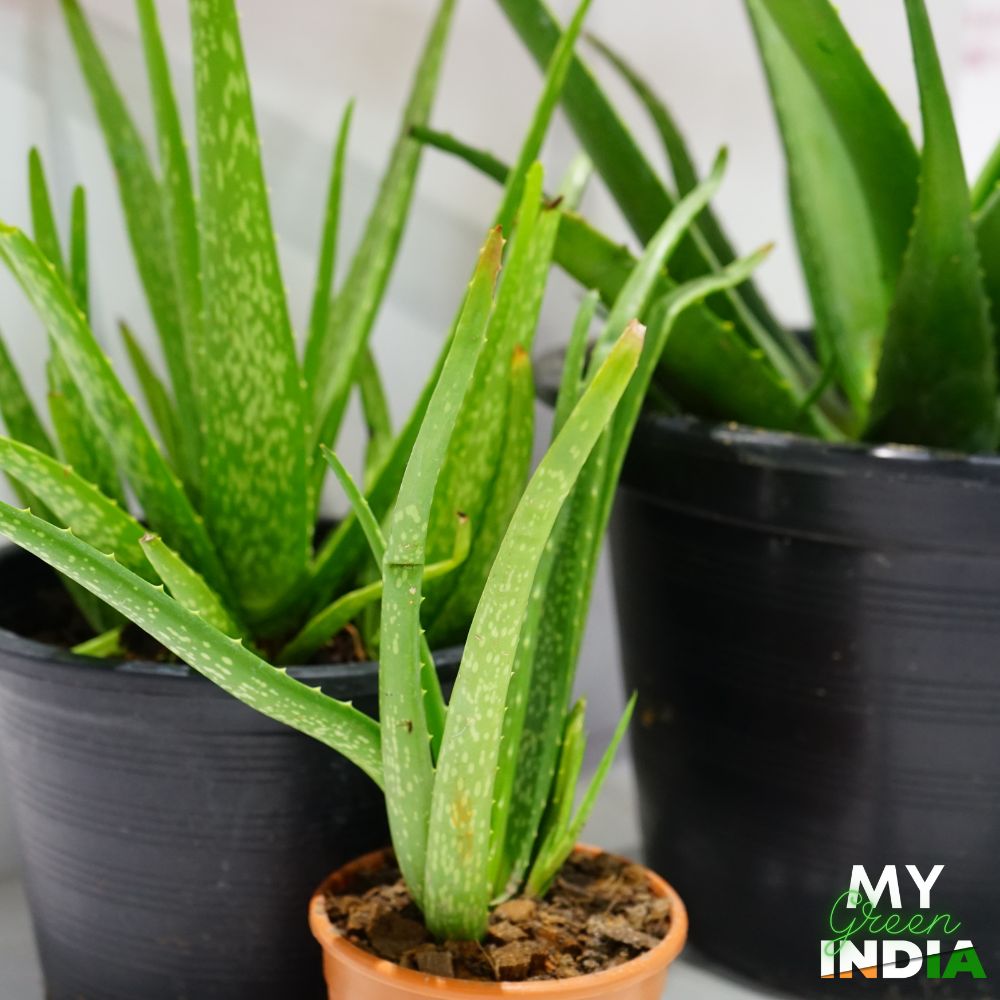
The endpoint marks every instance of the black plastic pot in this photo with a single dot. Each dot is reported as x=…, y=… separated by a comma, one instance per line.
x=814, y=632
x=171, y=837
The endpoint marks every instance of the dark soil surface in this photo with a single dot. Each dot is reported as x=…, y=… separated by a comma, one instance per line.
x=599, y=913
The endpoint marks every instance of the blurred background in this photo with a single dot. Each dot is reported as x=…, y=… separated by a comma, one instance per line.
x=308, y=57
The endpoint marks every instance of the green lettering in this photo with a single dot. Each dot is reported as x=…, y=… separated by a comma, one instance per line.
x=965, y=962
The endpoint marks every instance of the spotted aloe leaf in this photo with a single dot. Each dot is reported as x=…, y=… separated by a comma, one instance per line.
x=458, y=886
x=189, y=588
x=76, y=502
x=851, y=213
x=145, y=218
x=406, y=751
x=223, y=660
x=163, y=499
x=937, y=376
x=254, y=485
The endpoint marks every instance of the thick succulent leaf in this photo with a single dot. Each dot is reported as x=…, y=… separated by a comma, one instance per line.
x=331, y=358
x=163, y=500
x=188, y=587
x=79, y=274
x=406, y=750
x=77, y=503
x=19, y=414
x=937, y=377
x=555, y=81
x=564, y=833
x=161, y=406
x=475, y=453
x=434, y=707
x=451, y=623
x=106, y=646
x=482, y=160
x=458, y=884
x=686, y=180
x=333, y=619
x=987, y=182
x=988, y=238
x=254, y=484
x=177, y=186
x=80, y=443
x=142, y=201
x=571, y=378
x=222, y=660
x=869, y=126
x=326, y=266
x=844, y=219
x=559, y=810
x=43, y=221
x=378, y=420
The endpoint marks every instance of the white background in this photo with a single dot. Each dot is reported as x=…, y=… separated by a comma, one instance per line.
x=308, y=57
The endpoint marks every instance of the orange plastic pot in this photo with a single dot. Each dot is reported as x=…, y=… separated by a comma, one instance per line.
x=354, y=974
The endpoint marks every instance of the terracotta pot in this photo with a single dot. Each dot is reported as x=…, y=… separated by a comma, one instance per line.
x=354, y=973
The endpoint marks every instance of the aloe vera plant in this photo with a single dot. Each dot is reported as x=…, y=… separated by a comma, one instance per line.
x=900, y=260
x=480, y=792
x=217, y=498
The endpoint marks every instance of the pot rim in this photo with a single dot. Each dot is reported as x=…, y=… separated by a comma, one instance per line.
x=334, y=945
x=33, y=649
x=760, y=446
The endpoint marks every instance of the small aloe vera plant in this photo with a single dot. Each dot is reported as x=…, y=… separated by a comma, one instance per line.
x=901, y=258
x=480, y=791
x=224, y=485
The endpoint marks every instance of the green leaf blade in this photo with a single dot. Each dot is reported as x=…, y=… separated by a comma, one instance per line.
x=254, y=487
x=937, y=377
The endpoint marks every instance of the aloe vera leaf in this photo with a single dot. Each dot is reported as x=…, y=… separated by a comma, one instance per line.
x=563, y=838
x=254, y=483
x=686, y=179
x=43, y=221
x=869, y=126
x=458, y=884
x=452, y=621
x=987, y=181
x=177, y=186
x=849, y=270
x=222, y=660
x=937, y=377
x=571, y=378
x=434, y=707
x=145, y=221
x=375, y=407
x=476, y=449
x=188, y=587
x=559, y=809
x=333, y=619
x=161, y=406
x=78, y=256
x=161, y=495
x=80, y=443
x=330, y=359
x=555, y=80
x=106, y=646
x=19, y=414
x=481, y=159
x=987, y=223
x=406, y=750
x=77, y=503
x=326, y=266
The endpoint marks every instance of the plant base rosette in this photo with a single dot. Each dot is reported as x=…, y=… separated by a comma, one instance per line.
x=352, y=971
